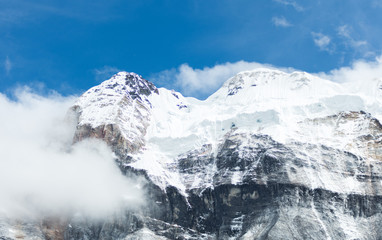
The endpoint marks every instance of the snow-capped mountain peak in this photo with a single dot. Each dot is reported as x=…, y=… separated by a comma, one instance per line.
x=152, y=121
x=101, y=104
x=137, y=86
x=267, y=85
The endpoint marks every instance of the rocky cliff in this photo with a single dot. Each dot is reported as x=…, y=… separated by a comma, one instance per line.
x=270, y=155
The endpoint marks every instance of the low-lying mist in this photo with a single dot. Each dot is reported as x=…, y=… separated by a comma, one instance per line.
x=43, y=174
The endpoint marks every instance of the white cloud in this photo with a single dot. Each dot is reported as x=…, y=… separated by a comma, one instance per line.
x=281, y=22
x=322, y=41
x=105, y=72
x=344, y=31
x=7, y=65
x=202, y=82
x=361, y=71
x=42, y=172
x=291, y=3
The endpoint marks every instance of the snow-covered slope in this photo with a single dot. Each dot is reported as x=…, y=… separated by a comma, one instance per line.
x=286, y=106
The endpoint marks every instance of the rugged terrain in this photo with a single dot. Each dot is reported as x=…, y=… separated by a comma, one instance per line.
x=270, y=155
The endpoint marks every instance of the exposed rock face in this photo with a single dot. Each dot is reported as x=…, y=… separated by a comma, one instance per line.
x=301, y=164
x=125, y=115
x=274, y=198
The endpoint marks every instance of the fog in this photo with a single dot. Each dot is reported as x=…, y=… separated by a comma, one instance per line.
x=42, y=173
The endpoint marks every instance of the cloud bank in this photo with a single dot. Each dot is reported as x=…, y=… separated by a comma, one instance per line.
x=42, y=173
x=361, y=71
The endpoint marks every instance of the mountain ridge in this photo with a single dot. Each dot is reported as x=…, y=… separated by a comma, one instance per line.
x=270, y=155
x=166, y=118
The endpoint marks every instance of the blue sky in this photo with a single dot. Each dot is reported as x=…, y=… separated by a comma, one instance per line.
x=190, y=46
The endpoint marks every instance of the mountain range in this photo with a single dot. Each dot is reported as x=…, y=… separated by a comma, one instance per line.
x=270, y=155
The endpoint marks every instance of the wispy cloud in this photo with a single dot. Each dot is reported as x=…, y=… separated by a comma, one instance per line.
x=322, y=41
x=345, y=32
x=7, y=65
x=291, y=3
x=105, y=72
x=281, y=22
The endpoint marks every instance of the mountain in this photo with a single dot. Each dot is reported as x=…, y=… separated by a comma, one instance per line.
x=270, y=155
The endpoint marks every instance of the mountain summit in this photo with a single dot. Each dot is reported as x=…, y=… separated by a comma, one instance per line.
x=270, y=155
